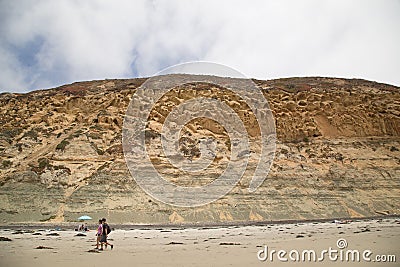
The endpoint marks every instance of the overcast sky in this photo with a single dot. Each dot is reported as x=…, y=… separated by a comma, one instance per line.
x=49, y=43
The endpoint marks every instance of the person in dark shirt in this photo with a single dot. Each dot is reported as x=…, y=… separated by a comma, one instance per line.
x=106, y=231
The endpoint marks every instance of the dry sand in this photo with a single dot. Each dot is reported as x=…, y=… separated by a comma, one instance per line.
x=202, y=246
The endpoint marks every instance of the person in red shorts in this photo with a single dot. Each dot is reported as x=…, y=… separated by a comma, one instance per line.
x=99, y=233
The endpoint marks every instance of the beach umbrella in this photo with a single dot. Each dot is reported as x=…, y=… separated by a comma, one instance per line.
x=84, y=218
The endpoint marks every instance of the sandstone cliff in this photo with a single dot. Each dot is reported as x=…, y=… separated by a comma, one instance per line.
x=337, y=153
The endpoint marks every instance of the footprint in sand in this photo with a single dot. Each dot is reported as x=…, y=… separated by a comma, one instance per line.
x=43, y=247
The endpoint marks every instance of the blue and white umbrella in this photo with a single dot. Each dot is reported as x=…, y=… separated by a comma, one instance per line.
x=84, y=218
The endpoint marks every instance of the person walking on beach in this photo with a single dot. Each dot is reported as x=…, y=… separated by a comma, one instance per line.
x=99, y=233
x=106, y=231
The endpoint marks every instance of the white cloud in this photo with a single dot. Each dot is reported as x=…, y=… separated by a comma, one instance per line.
x=48, y=43
x=12, y=75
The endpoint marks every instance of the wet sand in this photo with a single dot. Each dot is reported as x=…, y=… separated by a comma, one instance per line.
x=202, y=246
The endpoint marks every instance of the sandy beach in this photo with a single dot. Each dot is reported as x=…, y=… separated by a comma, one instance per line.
x=206, y=246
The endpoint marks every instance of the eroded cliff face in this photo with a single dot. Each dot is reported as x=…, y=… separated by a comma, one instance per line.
x=337, y=153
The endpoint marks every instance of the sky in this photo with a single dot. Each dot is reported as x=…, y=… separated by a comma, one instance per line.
x=46, y=43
